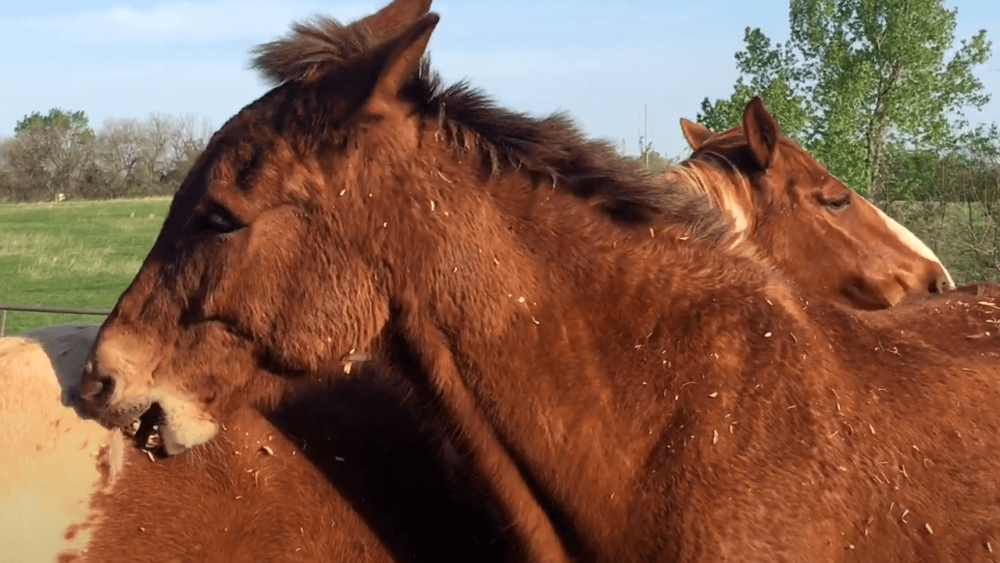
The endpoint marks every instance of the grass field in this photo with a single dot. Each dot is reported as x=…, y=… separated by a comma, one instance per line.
x=73, y=254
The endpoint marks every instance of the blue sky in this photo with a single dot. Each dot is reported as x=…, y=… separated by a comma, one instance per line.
x=600, y=61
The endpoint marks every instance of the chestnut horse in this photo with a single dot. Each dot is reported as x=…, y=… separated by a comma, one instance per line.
x=818, y=232
x=316, y=484
x=630, y=380
x=57, y=469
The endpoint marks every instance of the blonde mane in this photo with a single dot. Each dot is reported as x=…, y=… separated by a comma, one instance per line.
x=728, y=190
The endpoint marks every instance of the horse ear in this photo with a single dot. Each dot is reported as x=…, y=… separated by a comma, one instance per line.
x=396, y=61
x=393, y=19
x=761, y=131
x=695, y=133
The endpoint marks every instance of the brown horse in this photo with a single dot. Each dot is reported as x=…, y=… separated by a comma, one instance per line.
x=630, y=379
x=356, y=482
x=825, y=237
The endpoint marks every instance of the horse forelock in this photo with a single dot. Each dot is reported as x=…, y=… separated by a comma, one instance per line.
x=308, y=47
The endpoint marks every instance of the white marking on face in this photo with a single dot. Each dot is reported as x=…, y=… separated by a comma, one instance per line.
x=910, y=240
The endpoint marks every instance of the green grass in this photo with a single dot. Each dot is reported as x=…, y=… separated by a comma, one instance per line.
x=73, y=254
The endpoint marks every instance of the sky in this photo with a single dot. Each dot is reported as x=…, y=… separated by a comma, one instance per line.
x=602, y=62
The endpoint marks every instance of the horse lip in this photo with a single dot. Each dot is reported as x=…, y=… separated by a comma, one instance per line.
x=115, y=417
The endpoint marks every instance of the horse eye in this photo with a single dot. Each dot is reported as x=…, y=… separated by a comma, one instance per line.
x=220, y=222
x=839, y=203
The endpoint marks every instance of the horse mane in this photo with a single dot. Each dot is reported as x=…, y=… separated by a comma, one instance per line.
x=551, y=147
x=712, y=170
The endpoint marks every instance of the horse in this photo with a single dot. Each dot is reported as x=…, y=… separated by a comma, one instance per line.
x=66, y=345
x=305, y=483
x=70, y=342
x=73, y=491
x=628, y=378
x=821, y=234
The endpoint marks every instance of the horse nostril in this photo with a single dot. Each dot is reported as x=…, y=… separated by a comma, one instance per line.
x=96, y=388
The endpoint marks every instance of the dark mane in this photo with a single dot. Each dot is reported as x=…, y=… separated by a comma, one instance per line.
x=321, y=42
x=551, y=147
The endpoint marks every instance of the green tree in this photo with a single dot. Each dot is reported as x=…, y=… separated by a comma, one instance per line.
x=858, y=76
x=773, y=73
x=74, y=121
x=49, y=151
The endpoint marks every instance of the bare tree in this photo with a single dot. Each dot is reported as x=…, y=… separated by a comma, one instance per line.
x=120, y=154
x=176, y=143
x=8, y=187
x=980, y=218
x=187, y=142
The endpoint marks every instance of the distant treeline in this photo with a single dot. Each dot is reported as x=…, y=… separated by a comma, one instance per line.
x=59, y=156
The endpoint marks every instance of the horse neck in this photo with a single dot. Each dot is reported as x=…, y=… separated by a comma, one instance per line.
x=726, y=187
x=503, y=253
x=521, y=274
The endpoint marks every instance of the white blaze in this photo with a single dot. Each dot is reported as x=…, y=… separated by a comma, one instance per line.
x=911, y=240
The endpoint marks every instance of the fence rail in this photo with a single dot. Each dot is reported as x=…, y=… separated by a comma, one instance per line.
x=20, y=307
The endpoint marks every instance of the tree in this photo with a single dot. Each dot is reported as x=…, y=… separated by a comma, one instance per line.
x=184, y=141
x=58, y=153
x=64, y=120
x=8, y=186
x=858, y=76
x=49, y=151
x=122, y=151
x=773, y=74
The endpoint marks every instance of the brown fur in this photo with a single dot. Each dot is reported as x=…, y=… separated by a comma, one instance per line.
x=828, y=239
x=632, y=382
x=327, y=42
x=351, y=479
x=355, y=482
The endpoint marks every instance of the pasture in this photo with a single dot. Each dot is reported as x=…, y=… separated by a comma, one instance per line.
x=73, y=254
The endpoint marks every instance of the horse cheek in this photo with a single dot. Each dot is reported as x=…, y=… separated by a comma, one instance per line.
x=346, y=312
